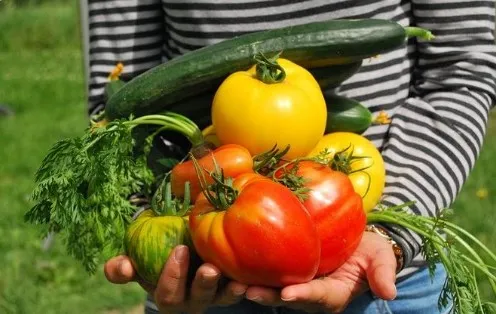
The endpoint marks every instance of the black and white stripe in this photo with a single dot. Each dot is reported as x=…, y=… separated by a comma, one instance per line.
x=438, y=93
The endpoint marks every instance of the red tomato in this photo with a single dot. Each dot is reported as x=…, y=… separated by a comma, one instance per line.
x=336, y=210
x=265, y=237
x=233, y=159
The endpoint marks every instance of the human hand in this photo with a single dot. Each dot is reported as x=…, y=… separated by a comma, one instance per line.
x=372, y=266
x=172, y=293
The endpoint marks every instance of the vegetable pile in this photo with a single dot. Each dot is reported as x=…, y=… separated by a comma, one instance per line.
x=279, y=183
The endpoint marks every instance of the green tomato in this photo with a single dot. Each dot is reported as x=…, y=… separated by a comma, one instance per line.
x=150, y=239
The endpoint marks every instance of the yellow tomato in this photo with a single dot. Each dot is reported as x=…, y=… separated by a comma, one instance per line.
x=258, y=115
x=366, y=171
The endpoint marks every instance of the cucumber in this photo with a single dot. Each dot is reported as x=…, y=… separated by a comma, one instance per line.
x=310, y=45
x=333, y=75
x=346, y=115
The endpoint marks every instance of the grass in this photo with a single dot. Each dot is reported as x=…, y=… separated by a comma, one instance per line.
x=41, y=79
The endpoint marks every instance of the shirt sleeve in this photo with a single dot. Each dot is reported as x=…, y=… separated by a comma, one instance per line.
x=130, y=32
x=435, y=137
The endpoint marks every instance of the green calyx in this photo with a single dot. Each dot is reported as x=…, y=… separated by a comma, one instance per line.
x=266, y=162
x=163, y=204
x=221, y=193
x=268, y=70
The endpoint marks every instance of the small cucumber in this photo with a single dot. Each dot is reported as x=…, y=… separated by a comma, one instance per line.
x=346, y=115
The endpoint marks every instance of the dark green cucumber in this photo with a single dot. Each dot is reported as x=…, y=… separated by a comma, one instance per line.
x=346, y=115
x=310, y=45
x=333, y=75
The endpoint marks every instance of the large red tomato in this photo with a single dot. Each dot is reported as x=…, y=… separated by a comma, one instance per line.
x=264, y=237
x=335, y=208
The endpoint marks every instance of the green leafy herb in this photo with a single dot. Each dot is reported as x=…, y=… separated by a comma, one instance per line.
x=83, y=189
x=84, y=184
x=446, y=243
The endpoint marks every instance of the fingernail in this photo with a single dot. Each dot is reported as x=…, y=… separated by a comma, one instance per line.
x=238, y=292
x=180, y=254
x=395, y=293
x=210, y=272
x=288, y=299
x=209, y=275
x=254, y=298
x=288, y=296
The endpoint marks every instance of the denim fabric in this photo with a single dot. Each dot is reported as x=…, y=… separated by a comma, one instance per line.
x=417, y=294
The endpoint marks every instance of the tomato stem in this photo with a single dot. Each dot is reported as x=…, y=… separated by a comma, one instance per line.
x=265, y=162
x=342, y=161
x=163, y=203
x=268, y=70
x=291, y=179
x=221, y=194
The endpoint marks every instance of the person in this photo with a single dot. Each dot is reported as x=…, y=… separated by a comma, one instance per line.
x=437, y=93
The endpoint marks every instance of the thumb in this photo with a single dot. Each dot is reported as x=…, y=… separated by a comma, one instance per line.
x=381, y=273
x=119, y=270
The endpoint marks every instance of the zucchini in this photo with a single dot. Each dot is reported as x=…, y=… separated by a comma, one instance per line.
x=310, y=45
x=346, y=115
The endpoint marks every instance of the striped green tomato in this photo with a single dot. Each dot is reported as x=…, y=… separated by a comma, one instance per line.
x=150, y=239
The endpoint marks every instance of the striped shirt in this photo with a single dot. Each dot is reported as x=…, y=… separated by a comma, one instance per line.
x=437, y=93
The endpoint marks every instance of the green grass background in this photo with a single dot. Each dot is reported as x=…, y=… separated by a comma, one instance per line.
x=41, y=78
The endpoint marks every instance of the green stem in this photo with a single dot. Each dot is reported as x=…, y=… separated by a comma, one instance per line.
x=449, y=270
x=266, y=161
x=469, y=249
x=186, y=200
x=380, y=218
x=481, y=268
x=174, y=122
x=268, y=70
x=387, y=217
x=169, y=208
x=477, y=294
x=223, y=193
x=474, y=254
x=471, y=237
x=412, y=31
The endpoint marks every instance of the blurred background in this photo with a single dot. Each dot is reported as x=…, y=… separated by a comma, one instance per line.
x=42, y=100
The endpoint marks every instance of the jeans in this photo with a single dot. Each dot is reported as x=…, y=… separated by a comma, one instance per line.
x=417, y=294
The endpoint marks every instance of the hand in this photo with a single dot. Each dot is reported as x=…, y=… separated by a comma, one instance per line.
x=171, y=293
x=372, y=266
